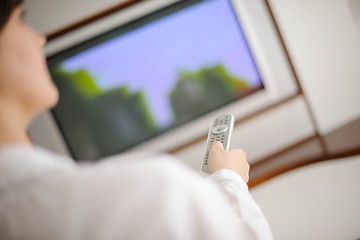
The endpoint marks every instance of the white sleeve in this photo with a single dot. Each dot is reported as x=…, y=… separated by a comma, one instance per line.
x=244, y=206
x=165, y=200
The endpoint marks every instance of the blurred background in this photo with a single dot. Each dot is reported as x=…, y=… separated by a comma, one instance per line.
x=303, y=195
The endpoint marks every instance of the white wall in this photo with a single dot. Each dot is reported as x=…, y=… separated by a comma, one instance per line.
x=319, y=201
x=51, y=15
x=323, y=40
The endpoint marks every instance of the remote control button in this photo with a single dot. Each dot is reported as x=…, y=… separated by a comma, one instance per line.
x=219, y=129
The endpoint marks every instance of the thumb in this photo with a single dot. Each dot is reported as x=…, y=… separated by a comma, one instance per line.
x=216, y=146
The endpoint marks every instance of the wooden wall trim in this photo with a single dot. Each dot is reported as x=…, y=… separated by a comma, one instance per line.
x=90, y=19
x=296, y=76
x=340, y=143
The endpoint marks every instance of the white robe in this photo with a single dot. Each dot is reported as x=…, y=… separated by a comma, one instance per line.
x=153, y=197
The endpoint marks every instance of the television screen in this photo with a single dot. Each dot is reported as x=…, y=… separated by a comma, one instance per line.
x=151, y=75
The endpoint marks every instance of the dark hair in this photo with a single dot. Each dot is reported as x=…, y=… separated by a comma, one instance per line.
x=6, y=8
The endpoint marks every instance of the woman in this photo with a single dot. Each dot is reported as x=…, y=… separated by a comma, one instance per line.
x=45, y=196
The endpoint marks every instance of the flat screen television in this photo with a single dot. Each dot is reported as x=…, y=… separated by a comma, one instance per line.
x=153, y=76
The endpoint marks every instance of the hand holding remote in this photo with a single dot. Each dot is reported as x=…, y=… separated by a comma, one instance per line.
x=220, y=130
x=234, y=160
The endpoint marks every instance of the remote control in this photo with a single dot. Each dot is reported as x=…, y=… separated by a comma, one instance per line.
x=220, y=130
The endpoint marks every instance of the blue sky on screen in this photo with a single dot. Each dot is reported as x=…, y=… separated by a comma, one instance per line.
x=149, y=58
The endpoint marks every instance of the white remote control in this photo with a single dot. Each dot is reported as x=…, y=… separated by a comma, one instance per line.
x=220, y=130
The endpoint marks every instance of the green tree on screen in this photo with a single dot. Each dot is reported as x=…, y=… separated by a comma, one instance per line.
x=201, y=91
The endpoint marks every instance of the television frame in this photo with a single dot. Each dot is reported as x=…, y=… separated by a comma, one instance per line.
x=264, y=43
